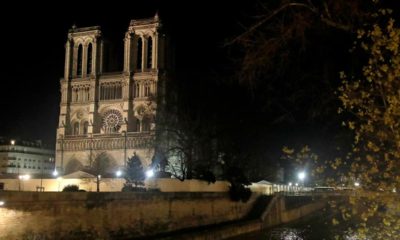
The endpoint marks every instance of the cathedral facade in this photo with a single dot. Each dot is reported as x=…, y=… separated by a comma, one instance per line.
x=110, y=114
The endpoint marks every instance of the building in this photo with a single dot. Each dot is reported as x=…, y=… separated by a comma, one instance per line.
x=110, y=115
x=20, y=157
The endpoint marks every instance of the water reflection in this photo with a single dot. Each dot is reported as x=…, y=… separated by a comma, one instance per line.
x=286, y=234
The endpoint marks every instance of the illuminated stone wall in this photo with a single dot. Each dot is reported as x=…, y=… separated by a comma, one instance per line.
x=114, y=185
x=29, y=215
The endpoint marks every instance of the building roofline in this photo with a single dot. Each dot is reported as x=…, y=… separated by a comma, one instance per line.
x=74, y=29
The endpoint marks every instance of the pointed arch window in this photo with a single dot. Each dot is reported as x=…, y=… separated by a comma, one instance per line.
x=85, y=127
x=137, y=125
x=146, y=124
x=147, y=90
x=89, y=59
x=76, y=129
x=149, y=53
x=79, y=65
x=137, y=90
x=139, y=54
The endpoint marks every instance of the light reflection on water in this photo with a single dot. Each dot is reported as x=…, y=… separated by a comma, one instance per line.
x=286, y=234
x=306, y=233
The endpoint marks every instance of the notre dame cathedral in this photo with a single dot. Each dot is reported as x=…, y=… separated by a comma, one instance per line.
x=110, y=113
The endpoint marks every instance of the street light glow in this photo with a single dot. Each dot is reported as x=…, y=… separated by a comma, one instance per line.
x=24, y=177
x=12, y=142
x=55, y=173
x=290, y=184
x=357, y=184
x=301, y=176
x=118, y=173
x=149, y=173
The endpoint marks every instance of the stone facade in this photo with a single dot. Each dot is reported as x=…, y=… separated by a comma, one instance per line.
x=110, y=113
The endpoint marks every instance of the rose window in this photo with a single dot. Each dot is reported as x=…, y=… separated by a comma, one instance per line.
x=112, y=121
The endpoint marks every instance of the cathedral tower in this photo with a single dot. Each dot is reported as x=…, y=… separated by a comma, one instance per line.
x=110, y=114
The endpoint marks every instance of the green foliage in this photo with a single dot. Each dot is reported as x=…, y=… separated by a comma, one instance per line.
x=134, y=171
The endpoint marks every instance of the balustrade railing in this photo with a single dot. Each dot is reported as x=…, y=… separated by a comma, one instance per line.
x=107, y=142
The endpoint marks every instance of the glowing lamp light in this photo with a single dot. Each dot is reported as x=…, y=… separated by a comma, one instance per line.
x=24, y=177
x=2, y=203
x=55, y=173
x=356, y=184
x=118, y=173
x=149, y=173
x=297, y=184
x=12, y=142
x=301, y=176
x=290, y=184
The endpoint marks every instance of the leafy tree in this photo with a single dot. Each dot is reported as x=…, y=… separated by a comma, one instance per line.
x=72, y=166
x=371, y=100
x=101, y=166
x=186, y=136
x=134, y=171
x=283, y=34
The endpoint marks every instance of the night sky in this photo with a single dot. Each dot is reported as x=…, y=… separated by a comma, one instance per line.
x=33, y=38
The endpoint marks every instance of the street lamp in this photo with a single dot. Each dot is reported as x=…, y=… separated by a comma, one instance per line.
x=125, y=136
x=59, y=179
x=22, y=177
x=301, y=175
x=98, y=182
x=149, y=173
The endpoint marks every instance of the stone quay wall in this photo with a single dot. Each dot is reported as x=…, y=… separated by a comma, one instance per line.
x=123, y=215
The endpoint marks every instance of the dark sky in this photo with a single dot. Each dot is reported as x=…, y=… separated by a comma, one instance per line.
x=33, y=37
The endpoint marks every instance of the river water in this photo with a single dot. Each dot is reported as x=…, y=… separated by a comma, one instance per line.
x=315, y=227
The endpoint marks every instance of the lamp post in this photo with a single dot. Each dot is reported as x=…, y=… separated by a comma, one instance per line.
x=98, y=177
x=22, y=177
x=125, y=136
x=41, y=177
x=302, y=175
x=62, y=153
x=59, y=179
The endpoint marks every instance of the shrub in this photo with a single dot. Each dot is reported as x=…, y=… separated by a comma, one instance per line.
x=130, y=188
x=238, y=192
x=208, y=176
x=71, y=188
